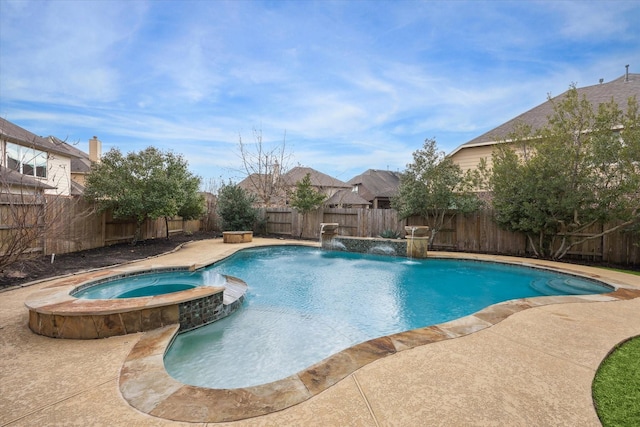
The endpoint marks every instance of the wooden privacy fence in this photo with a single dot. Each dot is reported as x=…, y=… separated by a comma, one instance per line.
x=21, y=223
x=72, y=224
x=475, y=232
x=353, y=222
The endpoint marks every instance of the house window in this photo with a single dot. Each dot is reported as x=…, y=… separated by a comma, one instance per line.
x=27, y=161
x=41, y=164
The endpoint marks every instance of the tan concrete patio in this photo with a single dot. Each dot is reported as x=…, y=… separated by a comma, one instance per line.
x=533, y=367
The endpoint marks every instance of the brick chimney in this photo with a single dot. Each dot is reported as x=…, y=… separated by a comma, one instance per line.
x=95, y=149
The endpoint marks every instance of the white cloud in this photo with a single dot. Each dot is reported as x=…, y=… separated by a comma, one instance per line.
x=596, y=20
x=63, y=52
x=354, y=84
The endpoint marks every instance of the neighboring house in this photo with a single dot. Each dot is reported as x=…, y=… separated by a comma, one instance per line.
x=346, y=199
x=12, y=182
x=321, y=182
x=43, y=163
x=376, y=186
x=81, y=163
x=283, y=185
x=468, y=155
x=266, y=188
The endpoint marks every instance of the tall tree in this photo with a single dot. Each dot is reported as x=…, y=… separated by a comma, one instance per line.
x=582, y=168
x=435, y=188
x=149, y=184
x=305, y=198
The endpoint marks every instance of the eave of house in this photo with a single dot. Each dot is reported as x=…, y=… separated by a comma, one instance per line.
x=618, y=90
x=12, y=178
x=33, y=141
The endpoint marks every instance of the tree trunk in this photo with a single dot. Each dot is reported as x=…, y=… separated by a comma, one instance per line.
x=136, y=234
x=166, y=226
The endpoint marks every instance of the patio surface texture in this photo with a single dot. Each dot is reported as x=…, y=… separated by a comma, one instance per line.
x=501, y=366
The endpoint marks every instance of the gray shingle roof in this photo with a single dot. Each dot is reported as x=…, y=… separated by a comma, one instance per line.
x=376, y=183
x=80, y=162
x=77, y=189
x=292, y=177
x=346, y=197
x=318, y=179
x=18, y=135
x=248, y=182
x=619, y=90
x=13, y=178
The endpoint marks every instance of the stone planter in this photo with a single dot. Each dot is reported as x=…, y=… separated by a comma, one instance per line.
x=237, y=236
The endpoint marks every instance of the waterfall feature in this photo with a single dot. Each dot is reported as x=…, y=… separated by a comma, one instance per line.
x=417, y=240
x=328, y=231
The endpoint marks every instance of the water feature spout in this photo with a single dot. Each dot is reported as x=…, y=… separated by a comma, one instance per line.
x=417, y=241
x=413, y=232
x=328, y=230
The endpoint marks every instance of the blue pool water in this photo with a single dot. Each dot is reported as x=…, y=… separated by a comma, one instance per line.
x=150, y=284
x=305, y=304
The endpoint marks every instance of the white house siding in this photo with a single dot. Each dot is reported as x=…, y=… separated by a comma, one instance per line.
x=59, y=174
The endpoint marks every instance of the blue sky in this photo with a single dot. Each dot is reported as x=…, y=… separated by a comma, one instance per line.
x=354, y=84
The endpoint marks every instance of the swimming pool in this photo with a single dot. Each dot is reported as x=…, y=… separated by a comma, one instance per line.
x=306, y=304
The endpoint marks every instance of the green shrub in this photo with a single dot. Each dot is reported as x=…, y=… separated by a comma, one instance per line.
x=235, y=207
x=390, y=234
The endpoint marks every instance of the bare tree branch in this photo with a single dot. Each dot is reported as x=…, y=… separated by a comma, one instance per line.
x=264, y=168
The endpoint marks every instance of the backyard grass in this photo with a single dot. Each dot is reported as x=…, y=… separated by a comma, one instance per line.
x=616, y=387
x=637, y=273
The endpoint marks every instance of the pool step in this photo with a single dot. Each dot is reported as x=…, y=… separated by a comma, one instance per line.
x=563, y=286
x=234, y=289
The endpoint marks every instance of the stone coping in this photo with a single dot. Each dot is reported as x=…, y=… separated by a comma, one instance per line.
x=58, y=300
x=55, y=312
x=146, y=385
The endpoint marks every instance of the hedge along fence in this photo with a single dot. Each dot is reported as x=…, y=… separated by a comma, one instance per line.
x=475, y=232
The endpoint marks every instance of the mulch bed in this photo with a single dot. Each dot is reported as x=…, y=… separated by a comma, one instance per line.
x=42, y=267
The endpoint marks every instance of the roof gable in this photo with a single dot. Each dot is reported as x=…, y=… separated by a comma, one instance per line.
x=376, y=183
x=253, y=180
x=80, y=161
x=318, y=179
